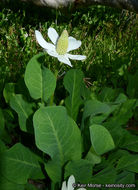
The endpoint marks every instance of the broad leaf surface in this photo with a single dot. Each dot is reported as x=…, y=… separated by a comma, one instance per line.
x=54, y=170
x=18, y=164
x=130, y=142
x=39, y=80
x=24, y=109
x=6, y=184
x=108, y=94
x=121, y=98
x=85, y=92
x=93, y=157
x=56, y=133
x=100, y=118
x=73, y=82
x=8, y=91
x=124, y=113
x=125, y=177
x=101, y=139
x=116, y=155
x=105, y=176
x=81, y=169
x=128, y=162
x=93, y=107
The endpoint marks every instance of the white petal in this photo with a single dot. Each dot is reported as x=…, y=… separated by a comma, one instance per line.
x=52, y=53
x=64, y=59
x=64, y=187
x=42, y=41
x=53, y=35
x=71, y=180
x=73, y=44
x=76, y=57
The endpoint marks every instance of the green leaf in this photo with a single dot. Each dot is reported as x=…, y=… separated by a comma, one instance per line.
x=85, y=92
x=9, y=118
x=54, y=170
x=81, y=169
x=57, y=134
x=124, y=113
x=24, y=110
x=101, y=139
x=95, y=112
x=8, y=91
x=6, y=184
x=121, y=98
x=108, y=94
x=99, y=118
x=18, y=164
x=73, y=81
x=125, y=177
x=128, y=162
x=39, y=80
x=116, y=155
x=93, y=157
x=105, y=176
x=118, y=134
x=92, y=108
x=130, y=142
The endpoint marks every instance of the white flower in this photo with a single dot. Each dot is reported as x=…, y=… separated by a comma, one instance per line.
x=61, y=45
x=70, y=185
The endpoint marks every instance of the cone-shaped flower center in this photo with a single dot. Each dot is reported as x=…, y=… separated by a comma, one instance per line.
x=62, y=43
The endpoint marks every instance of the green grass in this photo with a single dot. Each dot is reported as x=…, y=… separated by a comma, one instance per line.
x=108, y=38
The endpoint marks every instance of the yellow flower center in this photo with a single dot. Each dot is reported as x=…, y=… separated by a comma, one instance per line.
x=62, y=43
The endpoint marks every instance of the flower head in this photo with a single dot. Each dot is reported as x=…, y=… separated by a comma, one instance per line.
x=60, y=45
x=70, y=185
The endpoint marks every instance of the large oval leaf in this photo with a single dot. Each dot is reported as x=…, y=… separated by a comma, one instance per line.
x=18, y=164
x=101, y=139
x=39, y=80
x=56, y=133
